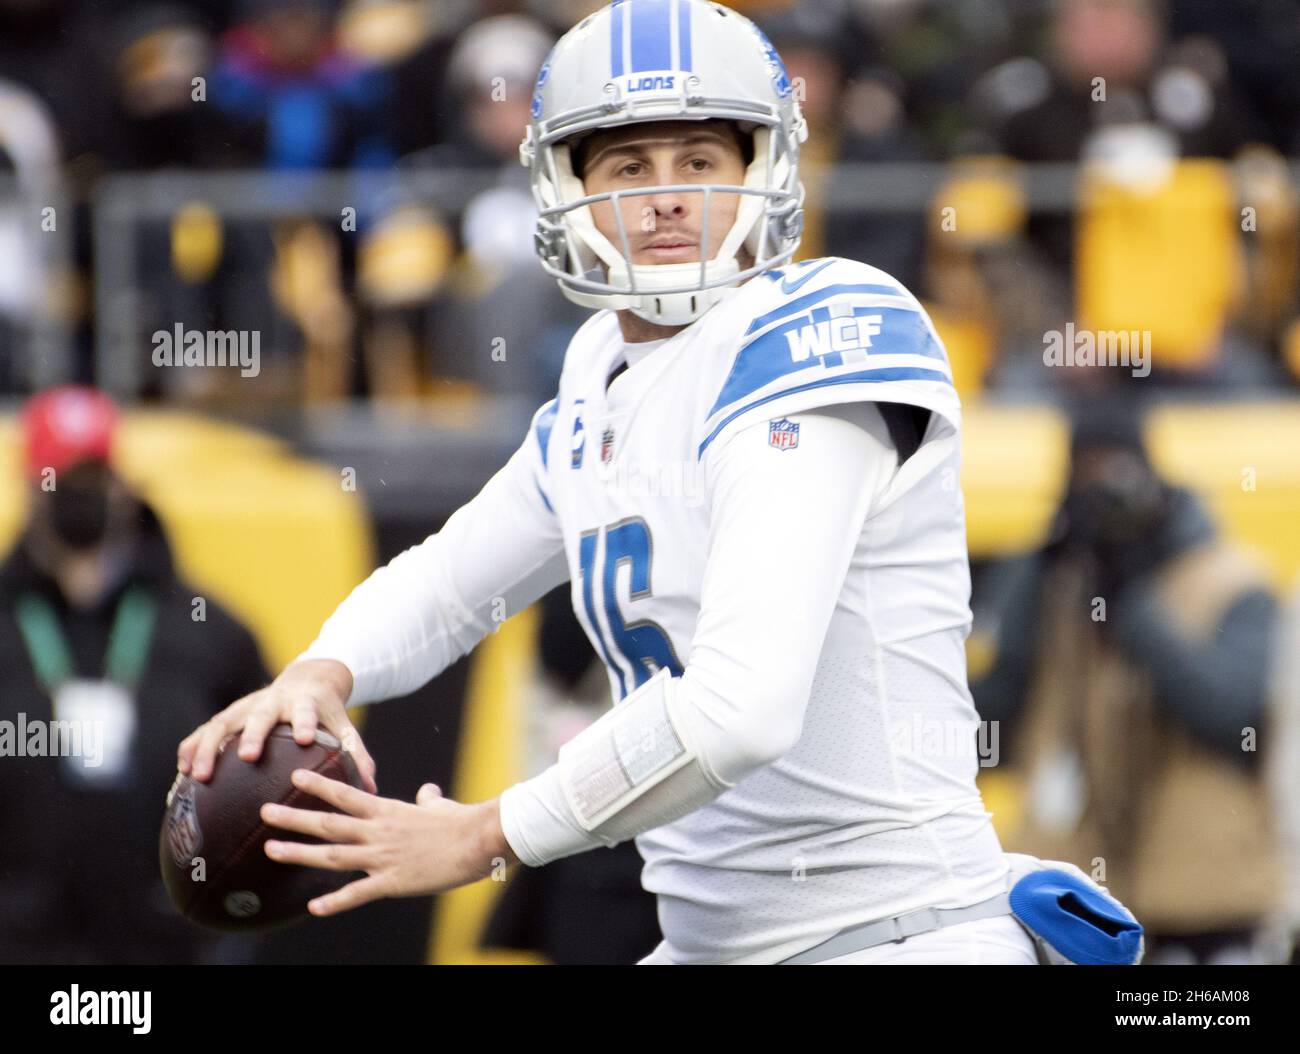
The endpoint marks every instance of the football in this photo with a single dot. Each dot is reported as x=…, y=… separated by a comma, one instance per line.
x=211, y=850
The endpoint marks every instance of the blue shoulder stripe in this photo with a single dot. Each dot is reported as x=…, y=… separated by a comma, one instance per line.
x=806, y=346
x=544, y=422
x=899, y=373
x=803, y=303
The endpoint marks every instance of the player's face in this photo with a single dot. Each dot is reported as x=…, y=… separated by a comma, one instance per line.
x=665, y=227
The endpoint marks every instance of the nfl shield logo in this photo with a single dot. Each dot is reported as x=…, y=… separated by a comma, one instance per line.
x=783, y=434
x=183, y=835
x=606, y=445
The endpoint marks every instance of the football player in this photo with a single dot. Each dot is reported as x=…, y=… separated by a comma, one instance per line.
x=749, y=477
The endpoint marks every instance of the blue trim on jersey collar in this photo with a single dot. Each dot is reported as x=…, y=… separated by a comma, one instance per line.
x=892, y=373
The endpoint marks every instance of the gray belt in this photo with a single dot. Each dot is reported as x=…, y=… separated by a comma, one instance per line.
x=898, y=929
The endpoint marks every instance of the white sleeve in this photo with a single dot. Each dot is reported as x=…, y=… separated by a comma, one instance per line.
x=431, y=604
x=784, y=527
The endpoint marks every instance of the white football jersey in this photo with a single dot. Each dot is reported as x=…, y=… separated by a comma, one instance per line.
x=875, y=811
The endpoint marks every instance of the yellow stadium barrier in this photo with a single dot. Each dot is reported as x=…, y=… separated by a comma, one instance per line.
x=1237, y=456
x=1164, y=259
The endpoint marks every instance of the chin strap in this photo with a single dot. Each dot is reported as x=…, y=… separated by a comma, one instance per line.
x=678, y=309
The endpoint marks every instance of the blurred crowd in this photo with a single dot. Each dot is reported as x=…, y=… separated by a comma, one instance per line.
x=1185, y=229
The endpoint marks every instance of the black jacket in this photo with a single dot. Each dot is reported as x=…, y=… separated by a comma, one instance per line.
x=79, y=874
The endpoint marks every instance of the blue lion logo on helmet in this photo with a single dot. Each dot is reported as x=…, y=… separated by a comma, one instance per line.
x=780, y=79
x=536, y=108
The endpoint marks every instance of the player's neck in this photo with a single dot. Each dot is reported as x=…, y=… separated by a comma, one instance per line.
x=636, y=330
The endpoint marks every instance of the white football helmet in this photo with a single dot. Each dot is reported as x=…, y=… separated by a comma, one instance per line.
x=663, y=60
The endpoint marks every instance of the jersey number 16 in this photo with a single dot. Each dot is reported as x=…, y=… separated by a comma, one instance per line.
x=643, y=645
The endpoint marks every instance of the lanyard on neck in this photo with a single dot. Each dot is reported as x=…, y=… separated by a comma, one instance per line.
x=128, y=640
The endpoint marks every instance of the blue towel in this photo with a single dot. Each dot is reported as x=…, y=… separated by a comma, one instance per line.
x=1086, y=927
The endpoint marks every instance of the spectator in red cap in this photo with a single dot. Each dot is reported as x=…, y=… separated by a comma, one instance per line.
x=77, y=499
x=66, y=425
x=104, y=668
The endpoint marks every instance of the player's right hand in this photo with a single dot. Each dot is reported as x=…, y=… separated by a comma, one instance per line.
x=307, y=694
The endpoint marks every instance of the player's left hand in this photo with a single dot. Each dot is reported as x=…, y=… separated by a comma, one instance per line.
x=407, y=850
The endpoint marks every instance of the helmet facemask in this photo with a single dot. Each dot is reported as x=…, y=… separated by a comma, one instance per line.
x=684, y=61
x=767, y=225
